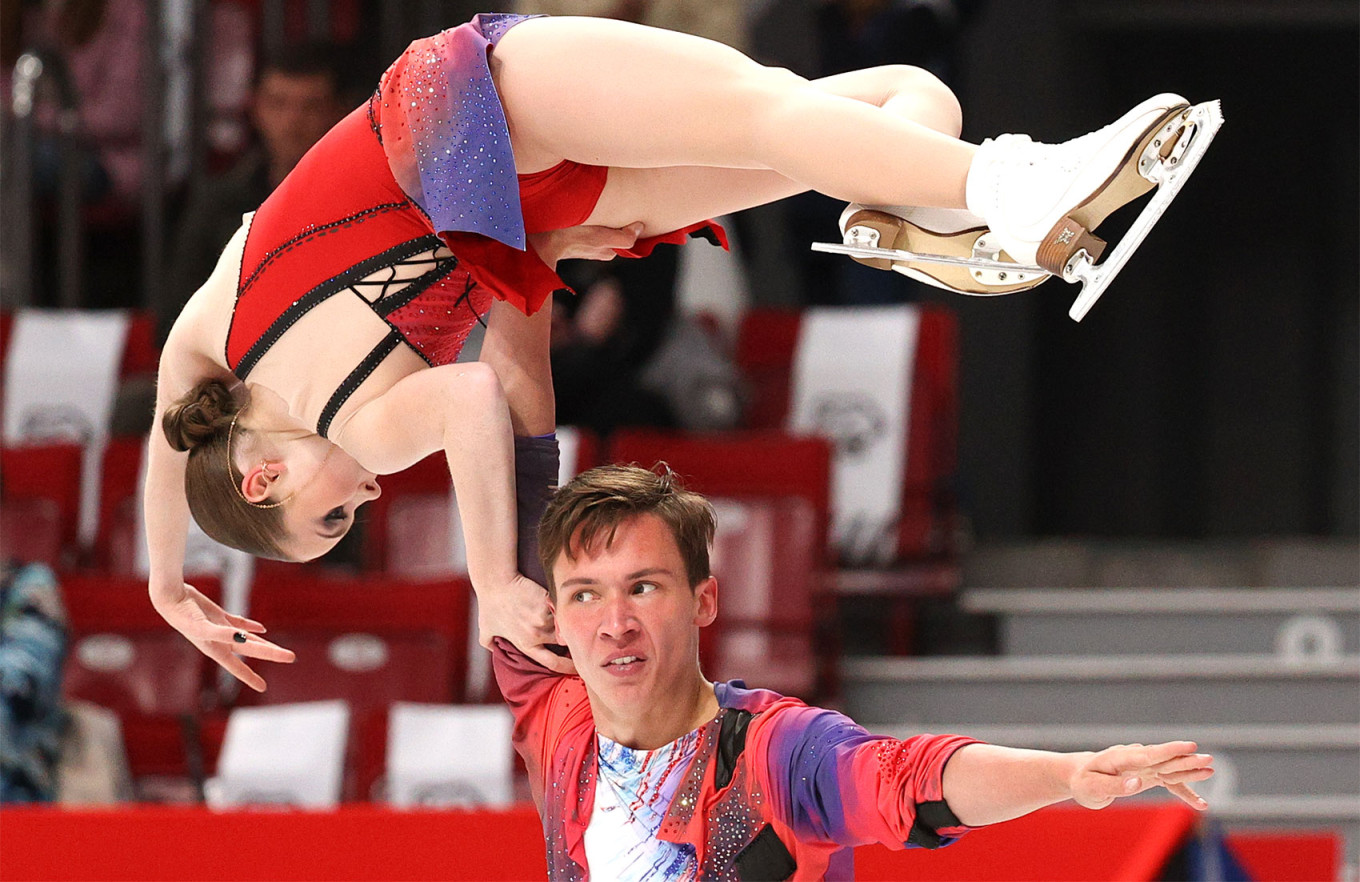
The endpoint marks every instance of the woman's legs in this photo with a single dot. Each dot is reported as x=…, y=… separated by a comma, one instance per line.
x=609, y=93
x=672, y=198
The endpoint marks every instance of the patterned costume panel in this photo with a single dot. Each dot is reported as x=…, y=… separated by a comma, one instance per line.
x=773, y=780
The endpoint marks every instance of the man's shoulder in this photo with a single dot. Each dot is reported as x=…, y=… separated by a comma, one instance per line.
x=788, y=719
x=736, y=695
x=520, y=677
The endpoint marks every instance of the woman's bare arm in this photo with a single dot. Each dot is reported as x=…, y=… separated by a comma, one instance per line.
x=461, y=409
x=184, y=362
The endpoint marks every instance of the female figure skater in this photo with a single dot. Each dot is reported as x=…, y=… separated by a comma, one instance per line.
x=320, y=353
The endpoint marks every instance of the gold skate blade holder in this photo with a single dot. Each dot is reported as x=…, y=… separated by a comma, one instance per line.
x=1167, y=162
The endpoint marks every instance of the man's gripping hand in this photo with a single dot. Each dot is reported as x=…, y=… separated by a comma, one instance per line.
x=520, y=613
x=583, y=243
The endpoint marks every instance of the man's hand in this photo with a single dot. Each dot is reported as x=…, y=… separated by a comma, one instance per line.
x=583, y=243
x=600, y=312
x=1126, y=769
x=213, y=631
x=519, y=612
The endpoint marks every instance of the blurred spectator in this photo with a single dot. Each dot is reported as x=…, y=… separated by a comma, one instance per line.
x=298, y=96
x=101, y=44
x=721, y=20
x=867, y=33
x=856, y=34
x=603, y=339
x=32, y=651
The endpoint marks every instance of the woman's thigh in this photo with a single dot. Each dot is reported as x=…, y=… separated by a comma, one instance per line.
x=612, y=93
x=665, y=199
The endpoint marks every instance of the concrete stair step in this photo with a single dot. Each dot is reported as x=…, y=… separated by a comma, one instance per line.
x=1105, y=690
x=1292, y=623
x=1271, y=760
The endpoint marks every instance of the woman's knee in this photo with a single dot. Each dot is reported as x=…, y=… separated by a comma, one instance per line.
x=931, y=102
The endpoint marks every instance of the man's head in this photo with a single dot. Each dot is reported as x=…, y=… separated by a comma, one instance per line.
x=596, y=502
x=625, y=550
x=298, y=97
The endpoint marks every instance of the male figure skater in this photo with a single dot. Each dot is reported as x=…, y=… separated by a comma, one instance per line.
x=643, y=769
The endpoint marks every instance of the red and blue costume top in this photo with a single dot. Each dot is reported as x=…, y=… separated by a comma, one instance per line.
x=424, y=166
x=776, y=790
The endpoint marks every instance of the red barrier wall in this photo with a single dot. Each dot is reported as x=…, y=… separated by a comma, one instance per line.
x=360, y=843
x=369, y=843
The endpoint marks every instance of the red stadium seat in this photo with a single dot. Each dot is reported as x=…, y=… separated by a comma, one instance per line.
x=6, y=325
x=141, y=355
x=45, y=472
x=369, y=641
x=756, y=463
x=412, y=530
x=123, y=655
x=766, y=348
x=765, y=559
x=929, y=498
x=115, y=541
x=766, y=342
x=407, y=529
x=31, y=531
x=170, y=757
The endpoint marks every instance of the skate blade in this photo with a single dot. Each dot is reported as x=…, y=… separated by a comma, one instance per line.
x=1206, y=119
x=897, y=254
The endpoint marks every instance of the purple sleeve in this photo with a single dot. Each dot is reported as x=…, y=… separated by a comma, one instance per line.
x=833, y=781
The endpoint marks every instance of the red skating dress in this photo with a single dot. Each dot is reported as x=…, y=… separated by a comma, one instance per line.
x=412, y=204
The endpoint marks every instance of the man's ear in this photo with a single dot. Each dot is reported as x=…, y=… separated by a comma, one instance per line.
x=706, y=602
x=552, y=611
x=258, y=481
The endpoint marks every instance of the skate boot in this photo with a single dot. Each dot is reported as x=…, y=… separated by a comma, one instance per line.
x=908, y=240
x=1042, y=201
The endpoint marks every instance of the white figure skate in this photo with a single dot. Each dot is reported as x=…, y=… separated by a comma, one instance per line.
x=917, y=239
x=1042, y=201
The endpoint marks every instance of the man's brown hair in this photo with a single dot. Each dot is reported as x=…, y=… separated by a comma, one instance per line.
x=593, y=505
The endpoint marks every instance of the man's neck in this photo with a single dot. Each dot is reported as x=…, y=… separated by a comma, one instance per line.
x=662, y=723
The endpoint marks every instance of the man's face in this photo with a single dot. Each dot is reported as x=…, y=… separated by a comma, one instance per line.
x=630, y=618
x=292, y=112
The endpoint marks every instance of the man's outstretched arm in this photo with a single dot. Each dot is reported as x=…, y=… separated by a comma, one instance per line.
x=985, y=784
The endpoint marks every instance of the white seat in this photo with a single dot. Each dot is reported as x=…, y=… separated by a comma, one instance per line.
x=61, y=378
x=285, y=754
x=449, y=755
x=852, y=382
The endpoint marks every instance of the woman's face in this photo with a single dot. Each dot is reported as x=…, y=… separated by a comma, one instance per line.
x=326, y=485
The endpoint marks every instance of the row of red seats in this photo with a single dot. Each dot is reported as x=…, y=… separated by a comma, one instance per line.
x=40, y=486
x=368, y=641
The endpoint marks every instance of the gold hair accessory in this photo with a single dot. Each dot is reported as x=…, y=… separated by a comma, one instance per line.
x=231, y=473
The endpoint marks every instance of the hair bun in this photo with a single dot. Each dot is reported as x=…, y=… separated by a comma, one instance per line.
x=200, y=416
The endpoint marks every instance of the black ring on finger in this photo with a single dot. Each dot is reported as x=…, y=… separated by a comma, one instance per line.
x=239, y=637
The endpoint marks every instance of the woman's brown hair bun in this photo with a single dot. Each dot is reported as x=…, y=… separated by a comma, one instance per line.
x=200, y=416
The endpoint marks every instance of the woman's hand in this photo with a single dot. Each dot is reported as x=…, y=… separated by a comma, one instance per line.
x=583, y=243
x=519, y=612
x=214, y=631
x=1126, y=769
